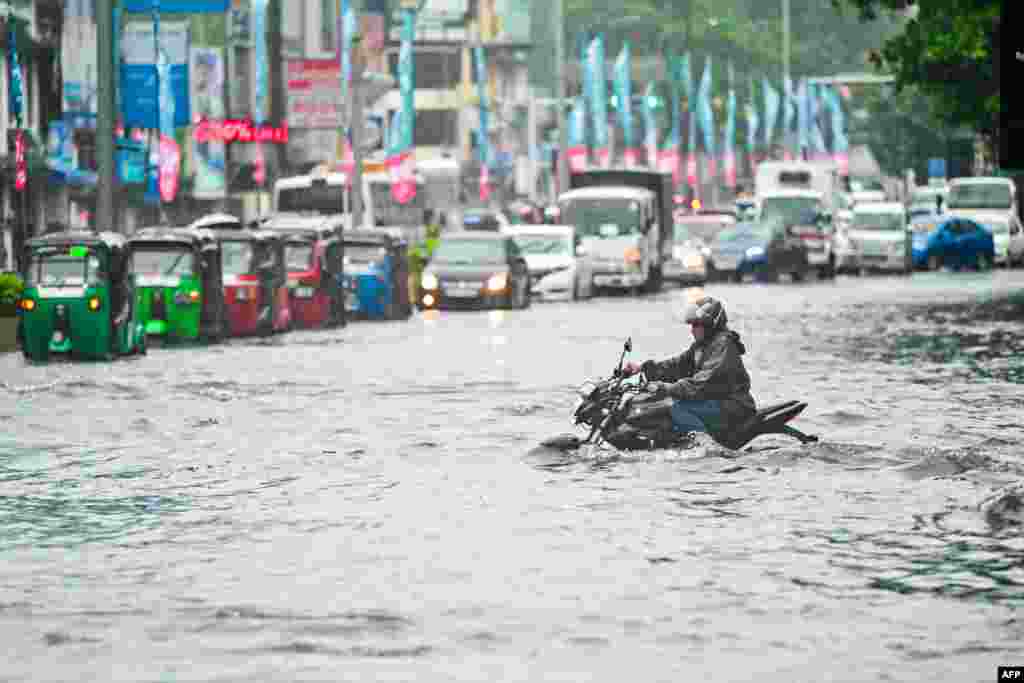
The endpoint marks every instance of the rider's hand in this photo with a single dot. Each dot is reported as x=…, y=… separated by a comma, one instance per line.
x=630, y=369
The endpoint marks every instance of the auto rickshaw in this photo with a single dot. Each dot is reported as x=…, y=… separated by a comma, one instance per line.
x=313, y=254
x=255, y=281
x=177, y=273
x=376, y=274
x=80, y=298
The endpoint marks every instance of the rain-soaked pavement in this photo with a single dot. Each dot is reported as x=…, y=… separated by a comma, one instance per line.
x=369, y=503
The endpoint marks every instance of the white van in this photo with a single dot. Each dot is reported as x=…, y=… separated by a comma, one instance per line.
x=814, y=176
x=993, y=203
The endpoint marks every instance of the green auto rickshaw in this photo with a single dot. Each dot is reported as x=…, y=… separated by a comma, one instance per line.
x=79, y=299
x=181, y=289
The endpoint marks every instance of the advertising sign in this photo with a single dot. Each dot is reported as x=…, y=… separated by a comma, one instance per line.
x=78, y=58
x=139, y=75
x=312, y=93
x=209, y=155
x=181, y=6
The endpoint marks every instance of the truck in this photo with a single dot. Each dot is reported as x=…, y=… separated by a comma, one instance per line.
x=806, y=196
x=624, y=220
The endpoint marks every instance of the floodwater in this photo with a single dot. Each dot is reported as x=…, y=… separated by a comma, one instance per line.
x=370, y=503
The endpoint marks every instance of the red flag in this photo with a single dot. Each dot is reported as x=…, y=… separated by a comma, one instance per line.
x=631, y=157
x=691, y=169
x=403, y=178
x=485, y=183
x=577, y=157
x=259, y=173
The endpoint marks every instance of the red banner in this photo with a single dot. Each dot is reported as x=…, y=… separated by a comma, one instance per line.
x=691, y=169
x=20, y=167
x=403, y=179
x=170, y=161
x=238, y=130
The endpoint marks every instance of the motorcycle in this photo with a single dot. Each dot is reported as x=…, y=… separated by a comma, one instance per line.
x=622, y=412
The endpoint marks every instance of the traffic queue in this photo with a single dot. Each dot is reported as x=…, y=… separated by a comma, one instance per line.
x=100, y=295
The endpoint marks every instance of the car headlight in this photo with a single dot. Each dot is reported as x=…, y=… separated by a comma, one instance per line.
x=755, y=252
x=497, y=282
x=428, y=281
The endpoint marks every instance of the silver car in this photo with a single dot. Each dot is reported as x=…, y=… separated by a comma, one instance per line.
x=880, y=237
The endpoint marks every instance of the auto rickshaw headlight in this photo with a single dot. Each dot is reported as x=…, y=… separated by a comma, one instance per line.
x=497, y=282
x=189, y=298
x=28, y=304
x=429, y=281
x=94, y=303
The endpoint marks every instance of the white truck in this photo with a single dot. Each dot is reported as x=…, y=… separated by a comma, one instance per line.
x=805, y=195
x=624, y=220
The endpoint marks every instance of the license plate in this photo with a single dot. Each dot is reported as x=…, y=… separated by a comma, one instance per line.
x=461, y=290
x=304, y=292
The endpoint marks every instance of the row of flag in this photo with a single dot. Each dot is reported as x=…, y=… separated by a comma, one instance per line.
x=807, y=110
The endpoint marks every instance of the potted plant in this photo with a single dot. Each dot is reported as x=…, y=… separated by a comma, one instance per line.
x=11, y=288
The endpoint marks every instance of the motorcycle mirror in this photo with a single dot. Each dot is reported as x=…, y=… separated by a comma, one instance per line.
x=628, y=346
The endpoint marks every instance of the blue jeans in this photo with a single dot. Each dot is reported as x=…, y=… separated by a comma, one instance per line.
x=696, y=416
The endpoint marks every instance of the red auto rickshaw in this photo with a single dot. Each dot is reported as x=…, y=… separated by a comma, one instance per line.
x=255, y=281
x=313, y=258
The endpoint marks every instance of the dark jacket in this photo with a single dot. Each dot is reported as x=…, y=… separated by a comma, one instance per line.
x=710, y=370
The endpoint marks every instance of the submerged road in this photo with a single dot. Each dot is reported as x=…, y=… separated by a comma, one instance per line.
x=368, y=503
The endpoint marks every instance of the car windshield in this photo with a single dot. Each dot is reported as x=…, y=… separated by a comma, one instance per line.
x=164, y=261
x=298, y=256
x=878, y=221
x=364, y=253
x=980, y=196
x=535, y=245
x=64, y=266
x=468, y=251
x=606, y=218
x=743, y=232
x=319, y=198
x=791, y=210
x=705, y=231
x=236, y=257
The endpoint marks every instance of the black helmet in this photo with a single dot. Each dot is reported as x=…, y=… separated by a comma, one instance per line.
x=708, y=311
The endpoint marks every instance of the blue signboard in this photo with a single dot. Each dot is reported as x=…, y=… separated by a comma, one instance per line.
x=139, y=91
x=189, y=6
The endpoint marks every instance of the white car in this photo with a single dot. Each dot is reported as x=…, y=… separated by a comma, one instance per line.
x=880, y=237
x=560, y=267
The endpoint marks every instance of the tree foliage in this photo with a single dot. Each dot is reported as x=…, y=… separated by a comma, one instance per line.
x=949, y=50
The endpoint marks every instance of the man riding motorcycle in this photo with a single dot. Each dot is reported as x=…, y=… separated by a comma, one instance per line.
x=708, y=382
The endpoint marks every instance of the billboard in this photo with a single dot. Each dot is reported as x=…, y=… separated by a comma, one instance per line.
x=209, y=156
x=313, y=93
x=139, y=75
x=78, y=59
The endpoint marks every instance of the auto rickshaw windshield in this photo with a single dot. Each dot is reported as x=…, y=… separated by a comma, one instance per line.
x=364, y=253
x=56, y=267
x=236, y=257
x=164, y=261
x=298, y=256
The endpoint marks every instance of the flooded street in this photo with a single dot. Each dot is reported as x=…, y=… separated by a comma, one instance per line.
x=369, y=503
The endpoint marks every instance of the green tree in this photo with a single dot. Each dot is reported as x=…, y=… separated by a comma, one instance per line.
x=949, y=50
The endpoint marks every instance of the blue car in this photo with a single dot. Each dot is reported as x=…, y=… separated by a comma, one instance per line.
x=954, y=243
x=376, y=275
x=764, y=249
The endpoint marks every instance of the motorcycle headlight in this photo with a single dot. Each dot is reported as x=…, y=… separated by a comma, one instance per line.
x=497, y=282
x=428, y=281
x=755, y=252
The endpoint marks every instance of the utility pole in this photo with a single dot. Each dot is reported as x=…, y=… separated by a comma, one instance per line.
x=275, y=67
x=104, y=219
x=563, y=133
x=356, y=93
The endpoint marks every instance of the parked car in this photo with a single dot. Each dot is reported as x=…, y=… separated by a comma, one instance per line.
x=955, y=243
x=475, y=269
x=688, y=263
x=763, y=249
x=880, y=238
x=560, y=266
